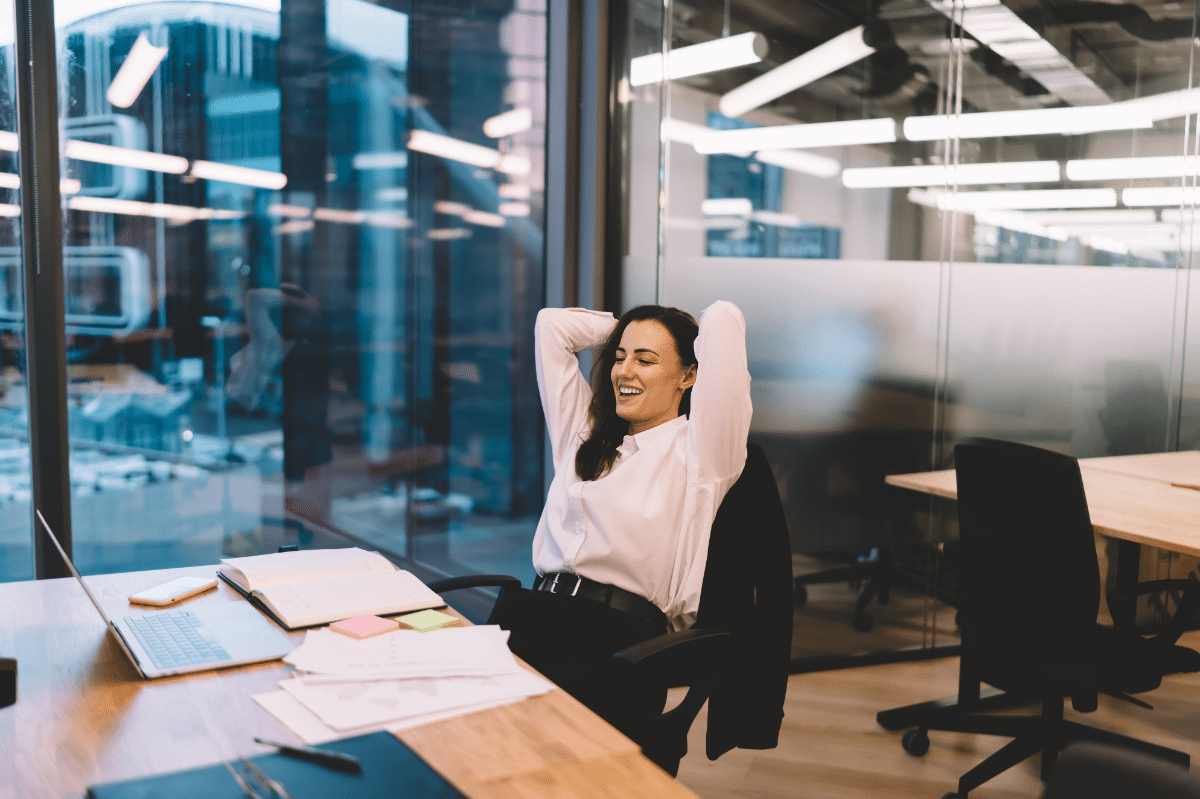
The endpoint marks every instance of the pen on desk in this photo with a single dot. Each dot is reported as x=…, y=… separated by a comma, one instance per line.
x=339, y=761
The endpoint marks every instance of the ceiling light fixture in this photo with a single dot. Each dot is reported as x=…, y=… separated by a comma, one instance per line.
x=880, y=177
x=454, y=149
x=802, y=70
x=508, y=123
x=800, y=161
x=1169, y=166
x=125, y=156
x=726, y=206
x=228, y=173
x=1030, y=122
x=1002, y=200
x=788, y=137
x=698, y=59
x=1165, y=196
x=135, y=71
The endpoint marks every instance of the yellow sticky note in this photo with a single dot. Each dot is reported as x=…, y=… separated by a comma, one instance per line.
x=425, y=620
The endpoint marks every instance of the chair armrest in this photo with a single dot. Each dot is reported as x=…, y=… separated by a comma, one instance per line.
x=682, y=654
x=475, y=581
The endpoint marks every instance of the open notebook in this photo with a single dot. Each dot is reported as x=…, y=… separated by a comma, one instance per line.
x=318, y=586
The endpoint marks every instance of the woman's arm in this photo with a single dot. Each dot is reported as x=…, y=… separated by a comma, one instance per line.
x=720, y=417
x=558, y=335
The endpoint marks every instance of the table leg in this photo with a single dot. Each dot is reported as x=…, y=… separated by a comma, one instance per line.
x=1129, y=561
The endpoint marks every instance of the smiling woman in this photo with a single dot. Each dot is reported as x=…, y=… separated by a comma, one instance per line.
x=642, y=461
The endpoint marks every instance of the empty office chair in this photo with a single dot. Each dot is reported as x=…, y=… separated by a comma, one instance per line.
x=736, y=656
x=1029, y=594
x=1089, y=770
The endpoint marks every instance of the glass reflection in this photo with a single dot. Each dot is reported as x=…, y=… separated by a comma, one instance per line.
x=940, y=219
x=303, y=260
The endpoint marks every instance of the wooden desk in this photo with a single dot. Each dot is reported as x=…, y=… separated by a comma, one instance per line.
x=1135, y=499
x=83, y=716
x=1139, y=509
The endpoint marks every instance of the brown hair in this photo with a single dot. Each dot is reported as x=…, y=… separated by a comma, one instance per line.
x=598, y=451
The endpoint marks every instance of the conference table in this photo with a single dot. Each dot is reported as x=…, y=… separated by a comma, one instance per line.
x=83, y=716
x=1151, y=499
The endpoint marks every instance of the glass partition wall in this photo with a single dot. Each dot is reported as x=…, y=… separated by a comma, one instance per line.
x=940, y=219
x=303, y=255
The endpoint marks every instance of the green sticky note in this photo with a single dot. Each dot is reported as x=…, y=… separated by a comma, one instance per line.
x=425, y=620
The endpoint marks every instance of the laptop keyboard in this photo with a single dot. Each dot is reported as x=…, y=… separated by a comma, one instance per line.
x=176, y=638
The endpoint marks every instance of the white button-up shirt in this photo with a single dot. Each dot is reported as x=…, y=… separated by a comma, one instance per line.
x=644, y=525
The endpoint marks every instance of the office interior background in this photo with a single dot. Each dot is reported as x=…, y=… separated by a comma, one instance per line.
x=304, y=242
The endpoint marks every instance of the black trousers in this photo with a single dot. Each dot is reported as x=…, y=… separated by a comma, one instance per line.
x=571, y=641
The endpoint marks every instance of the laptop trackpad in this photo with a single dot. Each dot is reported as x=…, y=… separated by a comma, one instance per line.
x=243, y=631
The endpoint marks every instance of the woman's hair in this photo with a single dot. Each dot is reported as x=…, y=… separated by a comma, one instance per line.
x=598, y=451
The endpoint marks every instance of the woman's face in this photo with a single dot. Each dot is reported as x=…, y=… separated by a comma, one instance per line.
x=648, y=378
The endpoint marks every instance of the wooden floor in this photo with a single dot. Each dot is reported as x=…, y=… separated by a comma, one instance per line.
x=830, y=746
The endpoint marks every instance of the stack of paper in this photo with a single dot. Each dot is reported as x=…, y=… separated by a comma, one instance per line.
x=345, y=686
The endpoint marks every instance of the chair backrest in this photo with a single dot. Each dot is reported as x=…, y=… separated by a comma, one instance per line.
x=1029, y=581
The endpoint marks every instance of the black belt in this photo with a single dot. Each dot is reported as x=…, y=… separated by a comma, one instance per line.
x=615, y=598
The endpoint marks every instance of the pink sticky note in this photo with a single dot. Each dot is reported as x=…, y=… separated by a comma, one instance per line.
x=364, y=626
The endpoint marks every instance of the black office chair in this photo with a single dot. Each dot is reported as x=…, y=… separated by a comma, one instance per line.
x=701, y=658
x=1029, y=594
x=1088, y=770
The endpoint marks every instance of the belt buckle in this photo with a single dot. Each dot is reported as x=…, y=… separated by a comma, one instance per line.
x=553, y=587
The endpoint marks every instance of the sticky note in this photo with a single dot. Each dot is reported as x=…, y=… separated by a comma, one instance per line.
x=425, y=620
x=364, y=626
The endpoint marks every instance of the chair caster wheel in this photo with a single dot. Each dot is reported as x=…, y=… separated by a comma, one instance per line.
x=799, y=595
x=916, y=743
x=863, y=622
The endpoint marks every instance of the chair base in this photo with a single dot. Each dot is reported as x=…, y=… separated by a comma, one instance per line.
x=1048, y=734
x=879, y=572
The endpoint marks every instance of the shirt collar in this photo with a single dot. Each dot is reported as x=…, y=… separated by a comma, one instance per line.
x=632, y=444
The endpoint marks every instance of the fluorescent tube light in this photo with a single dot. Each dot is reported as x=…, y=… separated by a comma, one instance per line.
x=515, y=191
x=1013, y=220
x=788, y=137
x=1032, y=122
x=137, y=68
x=697, y=59
x=228, y=173
x=777, y=219
x=338, y=215
x=8, y=209
x=448, y=234
x=386, y=160
x=454, y=149
x=881, y=177
x=484, y=218
x=1169, y=166
x=388, y=219
x=726, y=206
x=66, y=185
x=1035, y=198
x=514, y=209
x=800, y=161
x=1159, y=196
x=508, y=123
x=802, y=70
x=1118, y=216
x=283, y=209
x=514, y=164
x=108, y=205
x=8, y=141
x=451, y=208
x=123, y=156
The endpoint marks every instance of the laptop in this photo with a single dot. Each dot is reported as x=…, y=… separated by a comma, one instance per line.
x=204, y=638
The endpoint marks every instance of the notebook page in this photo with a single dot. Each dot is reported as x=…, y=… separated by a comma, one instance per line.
x=302, y=604
x=259, y=571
